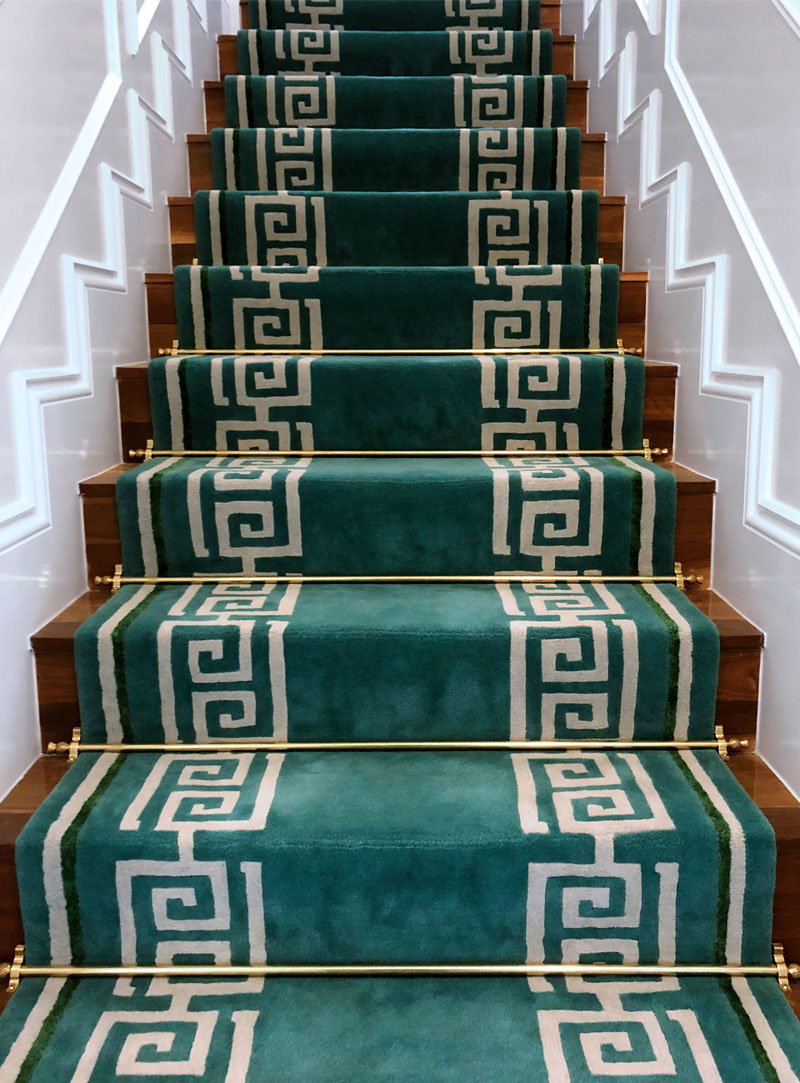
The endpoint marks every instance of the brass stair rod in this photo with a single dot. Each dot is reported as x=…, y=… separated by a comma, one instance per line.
x=74, y=747
x=467, y=351
x=777, y=969
x=117, y=580
x=149, y=452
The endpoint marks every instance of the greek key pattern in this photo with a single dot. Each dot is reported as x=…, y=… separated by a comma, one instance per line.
x=311, y=48
x=285, y=158
x=481, y=50
x=506, y=230
x=568, y=641
x=271, y=320
x=280, y=229
x=221, y=667
x=496, y=101
x=602, y=796
x=258, y=403
x=290, y=101
x=528, y=401
x=550, y=509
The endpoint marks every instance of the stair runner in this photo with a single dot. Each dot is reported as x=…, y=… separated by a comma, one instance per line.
x=428, y=200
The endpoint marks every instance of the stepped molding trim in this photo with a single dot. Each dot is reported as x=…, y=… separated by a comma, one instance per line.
x=30, y=390
x=764, y=512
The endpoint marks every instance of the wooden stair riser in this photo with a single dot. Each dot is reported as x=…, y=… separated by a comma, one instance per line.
x=764, y=787
x=163, y=330
x=576, y=114
x=563, y=55
x=695, y=505
x=593, y=162
x=737, y=693
x=136, y=425
x=184, y=241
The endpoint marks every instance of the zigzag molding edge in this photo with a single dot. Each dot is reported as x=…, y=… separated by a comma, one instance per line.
x=30, y=390
x=764, y=512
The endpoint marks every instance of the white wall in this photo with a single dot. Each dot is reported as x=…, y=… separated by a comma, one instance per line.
x=97, y=96
x=699, y=100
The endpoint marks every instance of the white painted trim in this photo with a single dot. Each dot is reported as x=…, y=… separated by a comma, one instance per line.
x=30, y=390
x=764, y=511
x=790, y=10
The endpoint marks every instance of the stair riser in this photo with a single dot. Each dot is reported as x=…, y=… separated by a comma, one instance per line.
x=563, y=55
x=592, y=163
x=611, y=223
x=452, y=229
x=461, y=859
x=163, y=326
x=575, y=115
x=397, y=663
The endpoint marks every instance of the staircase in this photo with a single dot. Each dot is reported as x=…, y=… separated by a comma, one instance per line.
x=390, y=480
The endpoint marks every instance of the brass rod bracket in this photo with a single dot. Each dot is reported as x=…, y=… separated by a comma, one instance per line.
x=15, y=970
x=785, y=972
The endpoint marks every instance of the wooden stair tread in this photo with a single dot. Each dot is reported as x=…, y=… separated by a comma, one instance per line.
x=102, y=484
x=735, y=630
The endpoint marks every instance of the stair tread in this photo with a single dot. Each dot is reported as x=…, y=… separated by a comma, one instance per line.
x=390, y=662
x=384, y=857
x=382, y=1030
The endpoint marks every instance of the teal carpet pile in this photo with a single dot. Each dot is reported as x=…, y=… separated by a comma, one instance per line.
x=366, y=101
x=396, y=176
x=415, y=52
x=407, y=229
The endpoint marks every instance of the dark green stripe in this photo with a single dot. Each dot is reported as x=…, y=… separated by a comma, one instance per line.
x=206, y=302
x=673, y=656
x=587, y=298
x=636, y=515
x=723, y=834
x=155, y=486
x=237, y=160
x=608, y=400
x=31, y=1062
x=759, y=1052
x=186, y=416
x=571, y=256
x=260, y=54
x=223, y=226
x=69, y=847
x=540, y=102
x=553, y=156
x=248, y=102
x=120, y=672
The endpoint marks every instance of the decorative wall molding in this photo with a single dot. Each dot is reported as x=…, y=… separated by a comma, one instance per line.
x=790, y=10
x=764, y=511
x=30, y=390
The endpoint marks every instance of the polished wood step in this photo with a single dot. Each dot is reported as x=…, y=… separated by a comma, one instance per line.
x=593, y=162
x=184, y=241
x=764, y=787
x=563, y=55
x=737, y=691
x=137, y=428
x=162, y=318
x=695, y=506
x=576, y=106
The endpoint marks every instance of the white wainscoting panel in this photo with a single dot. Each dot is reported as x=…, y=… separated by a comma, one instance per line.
x=698, y=98
x=98, y=96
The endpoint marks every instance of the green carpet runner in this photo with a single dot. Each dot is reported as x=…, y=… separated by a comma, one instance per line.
x=418, y=53
x=365, y=101
x=406, y=229
x=422, y=160
x=396, y=176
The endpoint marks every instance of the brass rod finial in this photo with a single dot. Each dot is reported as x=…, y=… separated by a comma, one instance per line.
x=15, y=968
x=58, y=748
